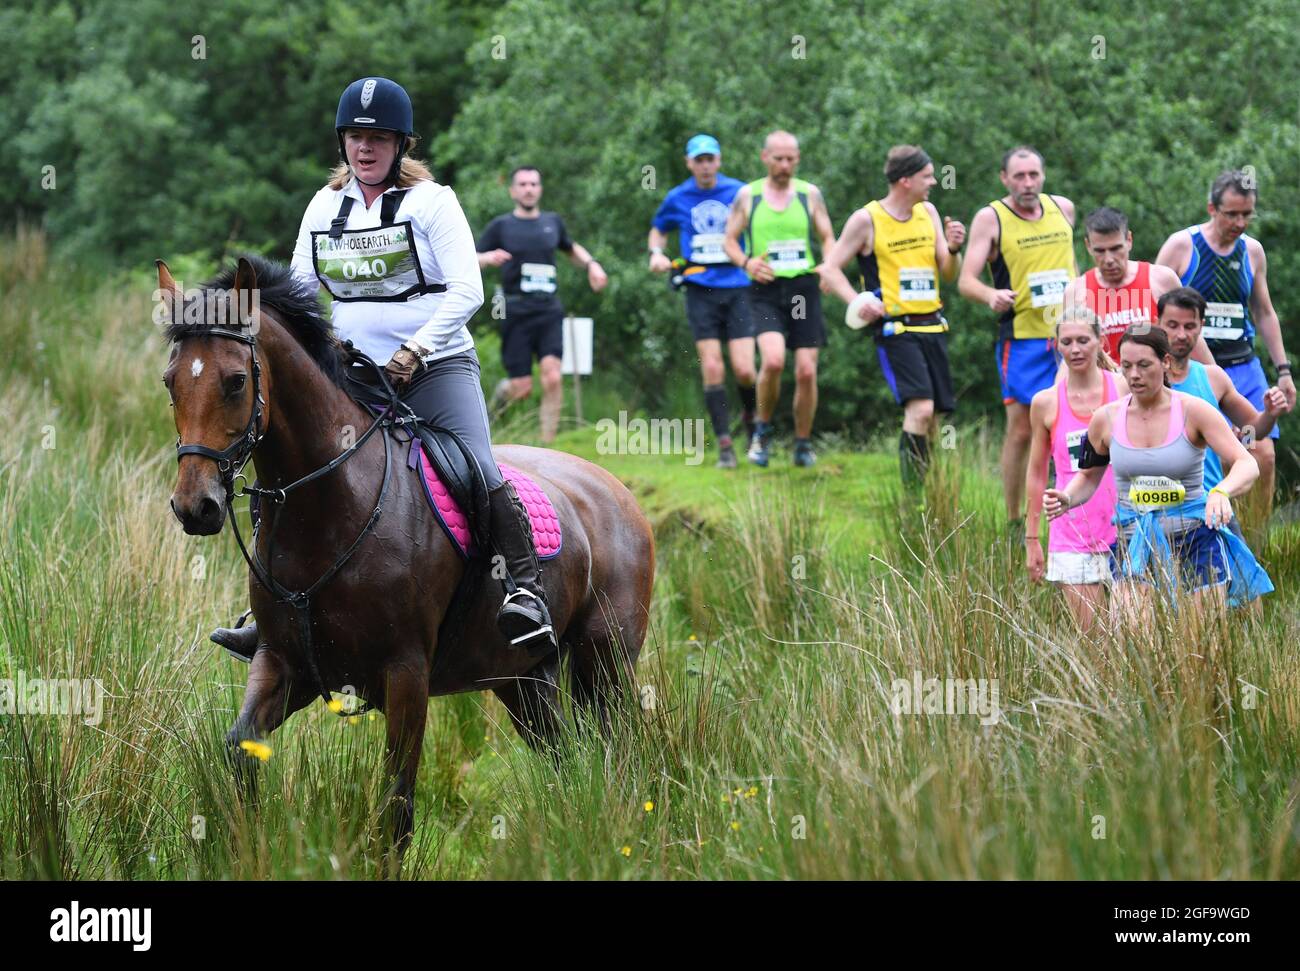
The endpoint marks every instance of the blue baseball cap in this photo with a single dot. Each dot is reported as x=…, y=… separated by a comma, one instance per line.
x=703, y=145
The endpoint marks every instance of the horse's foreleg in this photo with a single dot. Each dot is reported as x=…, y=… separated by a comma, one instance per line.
x=534, y=704
x=602, y=664
x=406, y=707
x=270, y=697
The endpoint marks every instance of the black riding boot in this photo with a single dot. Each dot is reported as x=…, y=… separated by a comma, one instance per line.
x=523, y=618
x=239, y=641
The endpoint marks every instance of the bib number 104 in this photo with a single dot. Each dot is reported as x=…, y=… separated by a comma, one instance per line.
x=374, y=267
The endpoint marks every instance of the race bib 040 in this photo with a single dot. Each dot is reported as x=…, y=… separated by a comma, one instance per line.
x=1224, y=322
x=787, y=254
x=1047, y=287
x=368, y=264
x=1147, y=492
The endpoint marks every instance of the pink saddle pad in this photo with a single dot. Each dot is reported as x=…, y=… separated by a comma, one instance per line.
x=547, y=536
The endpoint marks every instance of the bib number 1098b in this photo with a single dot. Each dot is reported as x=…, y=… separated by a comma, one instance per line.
x=1156, y=492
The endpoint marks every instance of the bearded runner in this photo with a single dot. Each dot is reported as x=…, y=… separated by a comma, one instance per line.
x=523, y=244
x=778, y=216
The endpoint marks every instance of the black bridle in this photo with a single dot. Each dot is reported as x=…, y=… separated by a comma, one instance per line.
x=238, y=452
x=230, y=464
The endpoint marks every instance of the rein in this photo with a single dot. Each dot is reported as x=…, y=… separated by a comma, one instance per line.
x=230, y=464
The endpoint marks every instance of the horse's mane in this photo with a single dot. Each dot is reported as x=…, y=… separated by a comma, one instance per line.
x=293, y=304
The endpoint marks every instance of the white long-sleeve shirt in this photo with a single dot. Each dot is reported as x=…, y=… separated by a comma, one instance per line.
x=445, y=247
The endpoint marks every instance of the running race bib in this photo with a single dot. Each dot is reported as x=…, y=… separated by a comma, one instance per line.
x=368, y=264
x=917, y=284
x=537, y=278
x=1224, y=322
x=1047, y=287
x=787, y=254
x=707, y=248
x=1148, y=492
x=1074, y=445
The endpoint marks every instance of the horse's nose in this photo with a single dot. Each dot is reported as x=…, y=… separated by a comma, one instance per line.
x=210, y=512
x=202, y=518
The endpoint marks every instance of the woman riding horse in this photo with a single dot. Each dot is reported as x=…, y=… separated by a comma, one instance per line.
x=405, y=280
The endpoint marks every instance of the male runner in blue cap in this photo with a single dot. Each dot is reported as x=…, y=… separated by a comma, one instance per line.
x=717, y=293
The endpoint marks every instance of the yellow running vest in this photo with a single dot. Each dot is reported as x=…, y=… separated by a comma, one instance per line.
x=1035, y=259
x=905, y=268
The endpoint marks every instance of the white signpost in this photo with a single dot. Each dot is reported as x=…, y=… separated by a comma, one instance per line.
x=578, y=333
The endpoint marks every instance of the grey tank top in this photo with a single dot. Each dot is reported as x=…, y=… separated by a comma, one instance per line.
x=1164, y=475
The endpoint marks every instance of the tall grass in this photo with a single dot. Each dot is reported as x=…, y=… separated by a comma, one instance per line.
x=759, y=741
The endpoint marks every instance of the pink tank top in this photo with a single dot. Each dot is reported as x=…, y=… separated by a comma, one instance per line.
x=1087, y=528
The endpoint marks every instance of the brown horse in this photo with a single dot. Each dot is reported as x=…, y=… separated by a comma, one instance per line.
x=269, y=382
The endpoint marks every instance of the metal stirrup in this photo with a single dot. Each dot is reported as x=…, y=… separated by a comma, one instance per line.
x=520, y=592
x=541, y=631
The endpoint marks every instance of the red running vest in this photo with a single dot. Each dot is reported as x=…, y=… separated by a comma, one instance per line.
x=1122, y=307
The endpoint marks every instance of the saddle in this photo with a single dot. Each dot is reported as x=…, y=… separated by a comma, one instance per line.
x=454, y=486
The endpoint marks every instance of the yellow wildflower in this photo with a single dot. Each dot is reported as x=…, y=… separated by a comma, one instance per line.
x=256, y=749
x=334, y=705
x=649, y=806
x=626, y=851
x=735, y=825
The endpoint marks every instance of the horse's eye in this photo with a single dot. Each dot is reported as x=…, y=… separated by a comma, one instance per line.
x=235, y=384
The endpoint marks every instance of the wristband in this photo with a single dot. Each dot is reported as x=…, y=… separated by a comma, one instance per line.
x=1283, y=368
x=1221, y=491
x=953, y=252
x=657, y=250
x=745, y=266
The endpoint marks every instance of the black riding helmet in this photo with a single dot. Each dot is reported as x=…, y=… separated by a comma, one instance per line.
x=376, y=103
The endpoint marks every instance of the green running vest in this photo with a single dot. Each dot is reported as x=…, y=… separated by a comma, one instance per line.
x=785, y=237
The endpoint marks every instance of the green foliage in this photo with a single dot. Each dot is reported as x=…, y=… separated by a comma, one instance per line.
x=760, y=743
x=599, y=94
x=157, y=152
x=172, y=130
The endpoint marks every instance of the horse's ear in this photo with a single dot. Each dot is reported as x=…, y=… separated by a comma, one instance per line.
x=168, y=293
x=165, y=279
x=242, y=290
